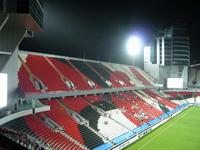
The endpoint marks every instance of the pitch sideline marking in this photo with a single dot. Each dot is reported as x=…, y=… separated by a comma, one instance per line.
x=163, y=130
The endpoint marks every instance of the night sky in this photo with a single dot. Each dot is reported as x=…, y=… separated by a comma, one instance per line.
x=100, y=28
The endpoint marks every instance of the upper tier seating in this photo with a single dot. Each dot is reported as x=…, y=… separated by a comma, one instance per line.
x=124, y=72
x=78, y=79
x=139, y=76
x=48, y=76
x=117, y=78
x=68, y=75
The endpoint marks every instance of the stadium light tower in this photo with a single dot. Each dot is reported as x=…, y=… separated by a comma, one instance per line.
x=134, y=46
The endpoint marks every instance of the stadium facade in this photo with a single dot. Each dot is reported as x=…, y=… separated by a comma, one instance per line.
x=57, y=102
x=170, y=55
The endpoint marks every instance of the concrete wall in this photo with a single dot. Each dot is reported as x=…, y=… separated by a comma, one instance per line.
x=153, y=70
x=9, y=41
x=161, y=73
x=11, y=69
x=193, y=73
x=184, y=75
x=173, y=72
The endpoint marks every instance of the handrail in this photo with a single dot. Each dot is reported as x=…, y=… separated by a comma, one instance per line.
x=61, y=94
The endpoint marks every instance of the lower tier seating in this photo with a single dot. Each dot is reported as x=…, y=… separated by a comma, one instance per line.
x=88, y=121
x=33, y=126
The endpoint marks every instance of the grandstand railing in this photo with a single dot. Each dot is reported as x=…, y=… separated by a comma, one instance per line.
x=53, y=94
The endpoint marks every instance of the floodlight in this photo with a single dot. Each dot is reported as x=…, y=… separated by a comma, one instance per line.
x=134, y=45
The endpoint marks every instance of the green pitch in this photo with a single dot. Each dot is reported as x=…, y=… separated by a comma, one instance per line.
x=180, y=133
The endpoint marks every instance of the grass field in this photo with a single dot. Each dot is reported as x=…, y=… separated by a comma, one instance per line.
x=180, y=133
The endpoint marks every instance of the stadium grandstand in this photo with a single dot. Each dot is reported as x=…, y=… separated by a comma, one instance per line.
x=58, y=102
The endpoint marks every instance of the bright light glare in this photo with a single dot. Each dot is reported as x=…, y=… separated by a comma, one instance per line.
x=176, y=83
x=3, y=90
x=134, y=46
